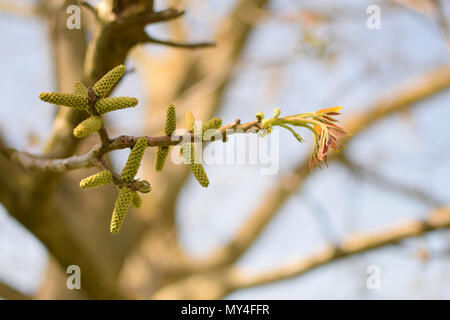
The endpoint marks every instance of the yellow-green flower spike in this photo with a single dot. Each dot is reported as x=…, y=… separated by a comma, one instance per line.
x=189, y=120
x=105, y=84
x=65, y=99
x=214, y=123
x=160, y=158
x=110, y=104
x=123, y=202
x=199, y=173
x=171, y=120
x=80, y=89
x=134, y=159
x=86, y=127
x=197, y=168
x=97, y=179
x=136, y=200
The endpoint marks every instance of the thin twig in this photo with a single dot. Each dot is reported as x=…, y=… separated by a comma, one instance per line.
x=438, y=219
x=93, y=156
x=169, y=43
x=388, y=183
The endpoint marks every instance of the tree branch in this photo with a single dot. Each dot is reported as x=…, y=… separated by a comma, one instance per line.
x=356, y=244
x=89, y=159
x=405, y=96
x=390, y=184
x=198, y=45
x=217, y=283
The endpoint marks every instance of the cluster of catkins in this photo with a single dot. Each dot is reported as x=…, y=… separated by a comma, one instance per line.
x=95, y=101
x=187, y=149
x=127, y=195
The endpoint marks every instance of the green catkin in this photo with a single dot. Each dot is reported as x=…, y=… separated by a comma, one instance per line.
x=136, y=200
x=171, y=120
x=105, y=84
x=189, y=120
x=65, y=99
x=97, y=179
x=134, y=159
x=214, y=123
x=197, y=168
x=86, y=127
x=110, y=104
x=123, y=202
x=80, y=89
x=160, y=158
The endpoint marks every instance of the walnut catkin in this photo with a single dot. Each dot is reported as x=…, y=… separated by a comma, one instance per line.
x=189, y=120
x=171, y=120
x=136, y=200
x=80, y=89
x=65, y=99
x=105, y=84
x=197, y=168
x=160, y=158
x=123, y=202
x=209, y=128
x=115, y=103
x=97, y=179
x=86, y=127
x=134, y=159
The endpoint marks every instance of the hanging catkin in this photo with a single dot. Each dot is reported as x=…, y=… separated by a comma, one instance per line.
x=120, y=209
x=134, y=159
x=97, y=179
x=197, y=168
x=86, y=127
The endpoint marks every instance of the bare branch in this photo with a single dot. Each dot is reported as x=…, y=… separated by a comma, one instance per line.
x=90, y=159
x=390, y=184
x=150, y=16
x=197, y=45
x=217, y=283
x=360, y=243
